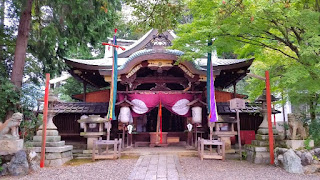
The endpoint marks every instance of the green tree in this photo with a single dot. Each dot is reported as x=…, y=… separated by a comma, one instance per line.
x=159, y=14
x=283, y=36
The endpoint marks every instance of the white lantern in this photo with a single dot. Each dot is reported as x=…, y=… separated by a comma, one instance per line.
x=125, y=114
x=189, y=126
x=196, y=114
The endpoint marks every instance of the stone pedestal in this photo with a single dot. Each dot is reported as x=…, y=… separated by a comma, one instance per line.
x=227, y=143
x=258, y=150
x=91, y=136
x=225, y=136
x=57, y=153
x=298, y=144
x=10, y=146
x=257, y=155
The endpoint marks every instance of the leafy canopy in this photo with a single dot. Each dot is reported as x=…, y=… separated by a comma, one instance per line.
x=283, y=36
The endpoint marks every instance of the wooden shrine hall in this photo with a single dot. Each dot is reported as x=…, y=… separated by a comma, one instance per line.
x=148, y=73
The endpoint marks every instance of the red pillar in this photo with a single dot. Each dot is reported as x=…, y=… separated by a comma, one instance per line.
x=44, y=125
x=268, y=96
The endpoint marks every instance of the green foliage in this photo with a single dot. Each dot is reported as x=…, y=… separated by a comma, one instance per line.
x=314, y=131
x=281, y=35
x=159, y=14
x=72, y=29
x=8, y=97
x=244, y=155
x=71, y=87
x=1, y=165
x=28, y=127
x=307, y=144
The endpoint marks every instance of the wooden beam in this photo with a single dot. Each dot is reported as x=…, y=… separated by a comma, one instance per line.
x=155, y=92
x=160, y=79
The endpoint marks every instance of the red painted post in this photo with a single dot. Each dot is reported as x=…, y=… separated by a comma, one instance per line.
x=268, y=96
x=44, y=125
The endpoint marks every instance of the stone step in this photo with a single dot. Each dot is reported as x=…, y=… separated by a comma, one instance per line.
x=48, y=138
x=77, y=150
x=53, y=149
x=81, y=155
x=266, y=131
x=48, y=144
x=266, y=137
x=266, y=143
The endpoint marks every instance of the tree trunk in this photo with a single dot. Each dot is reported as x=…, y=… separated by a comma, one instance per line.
x=21, y=45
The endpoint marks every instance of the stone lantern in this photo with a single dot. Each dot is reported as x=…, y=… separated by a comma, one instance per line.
x=258, y=151
x=93, y=128
x=57, y=152
x=263, y=110
x=52, y=101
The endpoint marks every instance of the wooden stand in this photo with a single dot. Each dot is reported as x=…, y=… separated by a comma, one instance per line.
x=209, y=155
x=98, y=145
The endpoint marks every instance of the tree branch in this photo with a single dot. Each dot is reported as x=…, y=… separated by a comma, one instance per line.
x=258, y=43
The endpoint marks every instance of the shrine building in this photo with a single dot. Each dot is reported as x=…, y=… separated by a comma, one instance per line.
x=150, y=73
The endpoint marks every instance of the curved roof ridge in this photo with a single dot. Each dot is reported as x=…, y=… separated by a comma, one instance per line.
x=137, y=42
x=150, y=51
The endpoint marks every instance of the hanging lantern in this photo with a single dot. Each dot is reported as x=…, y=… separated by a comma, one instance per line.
x=125, y=114
x=196, y=114
x=189, y=126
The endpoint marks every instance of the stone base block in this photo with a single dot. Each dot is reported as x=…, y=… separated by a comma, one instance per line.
x=48, y=138
x=48, y=132
x=298, y=144
x=57, y=159
x=257, y=155
x=8, y=146
x=48, y=144
x=260, y=143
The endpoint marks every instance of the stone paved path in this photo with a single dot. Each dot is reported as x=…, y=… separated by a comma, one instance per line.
x=157, y=167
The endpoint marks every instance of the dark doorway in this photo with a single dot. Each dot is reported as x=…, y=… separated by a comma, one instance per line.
x=170, y=122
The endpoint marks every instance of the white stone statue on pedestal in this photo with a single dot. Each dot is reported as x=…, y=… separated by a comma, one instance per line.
x=9, y=135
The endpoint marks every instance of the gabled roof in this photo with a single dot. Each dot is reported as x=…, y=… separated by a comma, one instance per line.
x=152, y=47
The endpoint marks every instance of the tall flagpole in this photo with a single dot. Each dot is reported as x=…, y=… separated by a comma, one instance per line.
x=114, y=78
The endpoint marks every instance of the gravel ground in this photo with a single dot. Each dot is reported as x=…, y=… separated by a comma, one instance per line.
x=194, y=170
x=106, y=170
x=235, y=170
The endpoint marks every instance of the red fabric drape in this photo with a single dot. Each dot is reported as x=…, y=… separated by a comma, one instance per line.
x=175, y=103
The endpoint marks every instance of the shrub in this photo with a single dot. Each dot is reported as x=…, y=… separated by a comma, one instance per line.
x=314, y=131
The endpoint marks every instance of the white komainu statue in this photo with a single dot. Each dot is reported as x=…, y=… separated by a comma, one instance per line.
x=10, y=128
x=296, y=128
